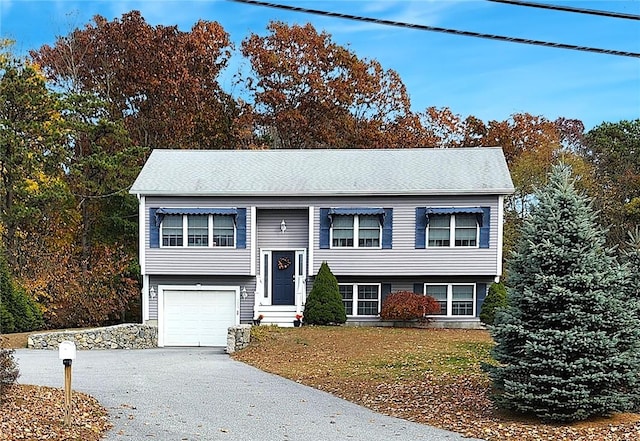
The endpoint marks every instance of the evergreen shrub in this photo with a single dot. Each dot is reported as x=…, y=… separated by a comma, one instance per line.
x=324, y=304
x=18, y=311
x=568, y=343
x=407, y=305
x=496, y=299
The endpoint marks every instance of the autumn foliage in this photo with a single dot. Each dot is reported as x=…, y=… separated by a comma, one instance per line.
x=407, y=305
x=124, y=87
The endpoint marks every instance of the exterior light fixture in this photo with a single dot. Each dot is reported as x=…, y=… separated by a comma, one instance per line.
x=243, y=292
x=283, y=226
x=152, y=293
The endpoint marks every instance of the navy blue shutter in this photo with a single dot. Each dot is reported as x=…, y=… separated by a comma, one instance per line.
x=154, y=230
x=418, y=288
x=241, y=228
x=481, y=293
x=387, y=229
x=421, y=227
x=325, y=226
x=385, y=290
x=485, y=227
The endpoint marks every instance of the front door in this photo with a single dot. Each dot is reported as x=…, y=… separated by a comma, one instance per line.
x=283, y=271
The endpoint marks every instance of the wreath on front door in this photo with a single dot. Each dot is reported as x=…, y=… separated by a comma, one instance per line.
x=284, y=263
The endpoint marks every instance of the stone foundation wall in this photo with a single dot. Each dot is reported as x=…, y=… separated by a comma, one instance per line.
x=126, y=336
x=238, y=337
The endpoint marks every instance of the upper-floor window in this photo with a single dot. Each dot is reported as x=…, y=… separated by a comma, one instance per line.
x=360, y=299
x=460, y=230
x=172, y=231
x=449, y=227
x=455, y=299
x=201, y=230
x=223, y=231
x=354, y=228
x=198, y=227
x=358, y=231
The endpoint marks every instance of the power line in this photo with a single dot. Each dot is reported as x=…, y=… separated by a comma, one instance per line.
x=442, y=30
x=569, y=9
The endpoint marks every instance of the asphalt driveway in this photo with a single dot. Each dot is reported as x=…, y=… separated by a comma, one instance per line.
x=186, y=394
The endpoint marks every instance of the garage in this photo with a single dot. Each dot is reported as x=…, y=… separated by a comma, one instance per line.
x=197, y=316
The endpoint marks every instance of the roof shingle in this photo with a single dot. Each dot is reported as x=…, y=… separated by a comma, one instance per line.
x=481, y=170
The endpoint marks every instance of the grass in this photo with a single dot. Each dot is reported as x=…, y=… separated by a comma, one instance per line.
x=431, y=376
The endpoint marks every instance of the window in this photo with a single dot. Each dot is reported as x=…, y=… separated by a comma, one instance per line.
x=223, y=231
x=368, y=231
x=198, y=231
x=342, y=231
x=360, y=299
x=466, y=230
x=439, y=292
x=201, y=230
x=446, y=230
x=456, y=300
x=346, y=291
x=172, y=231
x=356, y=231
x=439, y=230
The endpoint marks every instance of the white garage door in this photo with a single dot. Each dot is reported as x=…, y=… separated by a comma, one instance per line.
x=198, y=318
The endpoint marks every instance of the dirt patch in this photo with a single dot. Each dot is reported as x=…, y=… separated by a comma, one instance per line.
x=429, y=376
x=14, y=341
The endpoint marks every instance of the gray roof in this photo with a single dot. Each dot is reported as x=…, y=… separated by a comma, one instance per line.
x=419, y=171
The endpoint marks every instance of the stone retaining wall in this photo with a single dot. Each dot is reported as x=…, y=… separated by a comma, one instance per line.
x=238, y=337
x=126, y=336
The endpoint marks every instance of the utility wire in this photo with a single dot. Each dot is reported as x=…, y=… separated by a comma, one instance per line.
x=569, y=9
x=442, y=30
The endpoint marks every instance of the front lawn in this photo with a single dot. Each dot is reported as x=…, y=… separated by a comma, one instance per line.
x=429, y=376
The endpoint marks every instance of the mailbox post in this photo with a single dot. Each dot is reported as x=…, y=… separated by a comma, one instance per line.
x=67, y=353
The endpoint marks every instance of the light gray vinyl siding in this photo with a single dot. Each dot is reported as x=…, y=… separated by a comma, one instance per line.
x=195, y=260
x=246, y=305
x=270, y=237
x=404, y=258
x=269, y=234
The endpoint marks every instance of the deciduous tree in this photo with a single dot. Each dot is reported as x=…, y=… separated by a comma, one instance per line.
x=162, y=81
x=313, y=93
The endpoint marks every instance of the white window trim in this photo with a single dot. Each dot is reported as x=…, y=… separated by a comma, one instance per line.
x=354, y=309
x=356, y=235
x=452, y=235
x=450, y=298
x=185, y=234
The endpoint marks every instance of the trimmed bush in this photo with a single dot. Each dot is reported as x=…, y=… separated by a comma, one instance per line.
x=496, y=299
x=407, y=305
x=324, y=305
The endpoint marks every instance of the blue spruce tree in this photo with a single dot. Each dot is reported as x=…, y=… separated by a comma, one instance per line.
x=568, y=344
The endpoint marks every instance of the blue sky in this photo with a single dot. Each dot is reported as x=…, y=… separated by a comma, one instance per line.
x=487, y=79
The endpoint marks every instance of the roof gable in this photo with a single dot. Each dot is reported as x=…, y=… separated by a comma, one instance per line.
x=481, y=170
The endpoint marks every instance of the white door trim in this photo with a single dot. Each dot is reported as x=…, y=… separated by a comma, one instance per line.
x=300, y=273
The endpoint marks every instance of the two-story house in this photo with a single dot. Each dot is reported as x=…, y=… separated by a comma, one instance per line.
x=228, y=235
